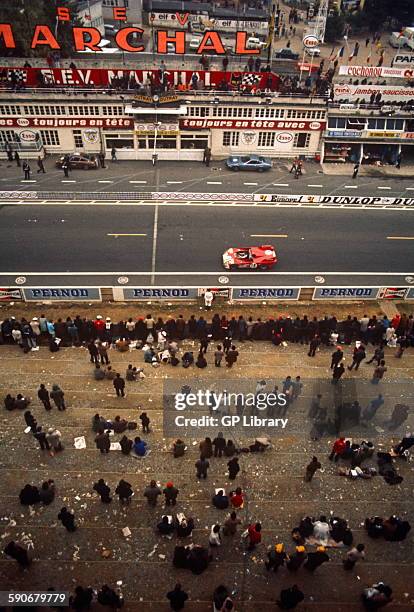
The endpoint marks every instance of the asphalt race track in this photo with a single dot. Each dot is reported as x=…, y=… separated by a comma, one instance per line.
x=185, y=239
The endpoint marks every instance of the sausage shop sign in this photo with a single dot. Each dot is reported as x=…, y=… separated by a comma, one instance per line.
x=56, y=294
x=252, y=124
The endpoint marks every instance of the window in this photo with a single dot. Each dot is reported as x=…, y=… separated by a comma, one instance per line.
x=7, y=136
x=267, y=139
x=50, y=138
x=119, y=141
x=97, y=22
x=42, y=109
x=83, y=110
x=77, y=138
x=9, y=109
x=395, y=124
x=337, y=123
x=301, y=140
x=164, y=142
x=194, y=141
x=376, y=124
x=120, y=3
x=231, y=139
x=199, y=111
x=112, y=110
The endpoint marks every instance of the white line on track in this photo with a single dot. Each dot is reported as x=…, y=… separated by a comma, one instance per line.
x=315, y=185
x=280, y=184
x=154, y=245
x=174, y=182
x=28, y=181
x=409, y=188
x=139, y=182
x=351, y=186
x=123, y=273
x=214, y=183
x=105, y=181
x=379, y=187
x=250, y=183
x=63, y=181
x=268, y=235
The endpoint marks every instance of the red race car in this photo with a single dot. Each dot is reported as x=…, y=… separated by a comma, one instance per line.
x=262, y=257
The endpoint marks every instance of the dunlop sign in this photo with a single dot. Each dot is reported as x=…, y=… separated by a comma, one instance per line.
x=319, y=199
x=345, y=293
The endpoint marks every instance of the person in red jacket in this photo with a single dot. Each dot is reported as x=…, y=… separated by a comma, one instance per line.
x=99, y=325
x=237, y=498
x=337, y=449
x=255, y=535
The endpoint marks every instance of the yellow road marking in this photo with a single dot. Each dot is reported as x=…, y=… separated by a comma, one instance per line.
x=400, y=237
x=117, y=235
x=268, y=235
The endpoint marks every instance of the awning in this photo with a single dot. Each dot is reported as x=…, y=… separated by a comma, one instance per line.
x=151, y=110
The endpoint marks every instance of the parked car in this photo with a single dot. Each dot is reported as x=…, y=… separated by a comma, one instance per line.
x=255, y=43
x=286, y=53
x=315, y=52
x=83, y=162
x=262, y=257
x=110, y=30
x=398, y=41
x=248, y=162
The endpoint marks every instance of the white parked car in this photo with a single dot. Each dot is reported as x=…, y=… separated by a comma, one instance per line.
x=255, y=43
x=314, y=52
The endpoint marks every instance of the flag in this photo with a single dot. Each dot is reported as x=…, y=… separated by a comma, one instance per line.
x=341, y=52
x=332, y=55
x=351, y=57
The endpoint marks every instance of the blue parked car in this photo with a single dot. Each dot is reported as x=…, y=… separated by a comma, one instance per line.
x=248, y=162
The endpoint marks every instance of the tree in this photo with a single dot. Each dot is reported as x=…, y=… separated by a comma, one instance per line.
x=335, y=26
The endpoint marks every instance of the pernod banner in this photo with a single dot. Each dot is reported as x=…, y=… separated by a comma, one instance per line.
x=345, y=293
x=266, y=293
x=72, y=294
x=160, y=293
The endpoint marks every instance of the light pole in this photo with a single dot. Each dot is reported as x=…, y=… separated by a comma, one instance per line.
x=157, y=125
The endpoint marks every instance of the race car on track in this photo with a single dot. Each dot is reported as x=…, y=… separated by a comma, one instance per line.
x=248, y=162
x=256, y=257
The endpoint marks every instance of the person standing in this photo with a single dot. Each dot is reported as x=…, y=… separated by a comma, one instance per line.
x=43, y=395
x=231, y=356
x=356, y=170
x=65, y=168
x=336, y=357
x=103, y=442
x=54, y=439
x=233, y=467
x=170, y=493
x=207, y=156
x=58, y=396
x=119, y=384
x=290, y=598
x=17, y=159
x=67, y=519
x=311, y=468
x=113, y=154
x=41, y=438
x=40, y=165
x=313, y=345
x=398, y=161
x=337, y=373
x=254, y=534
x=379, y=372
x=101, y=158
x=358, y=356
x=151, y=493
x=26, y=170
x=145, y=422
x=315, y=559
x=202, y=466
x=352, y=556
x=124, y=490
x=219, y=444
x=378, y=355
x=218, y=356
x=276, y=557
x=103, y=490
x=18, y=553
x=177, y=598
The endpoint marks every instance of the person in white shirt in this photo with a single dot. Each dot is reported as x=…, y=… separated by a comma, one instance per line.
x=208, y=299
x=214, y=537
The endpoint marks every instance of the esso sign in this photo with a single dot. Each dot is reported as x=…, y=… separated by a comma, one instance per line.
x=22, y=122
x=284, y=137
x=315, y=125
x=310, y=41
x=28, y=136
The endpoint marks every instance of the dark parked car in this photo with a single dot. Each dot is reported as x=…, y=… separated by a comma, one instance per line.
x=84, y=162
x=286, y=53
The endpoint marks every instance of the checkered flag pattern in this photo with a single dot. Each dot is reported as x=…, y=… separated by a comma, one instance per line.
x=250, y=79
x=16, y=76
